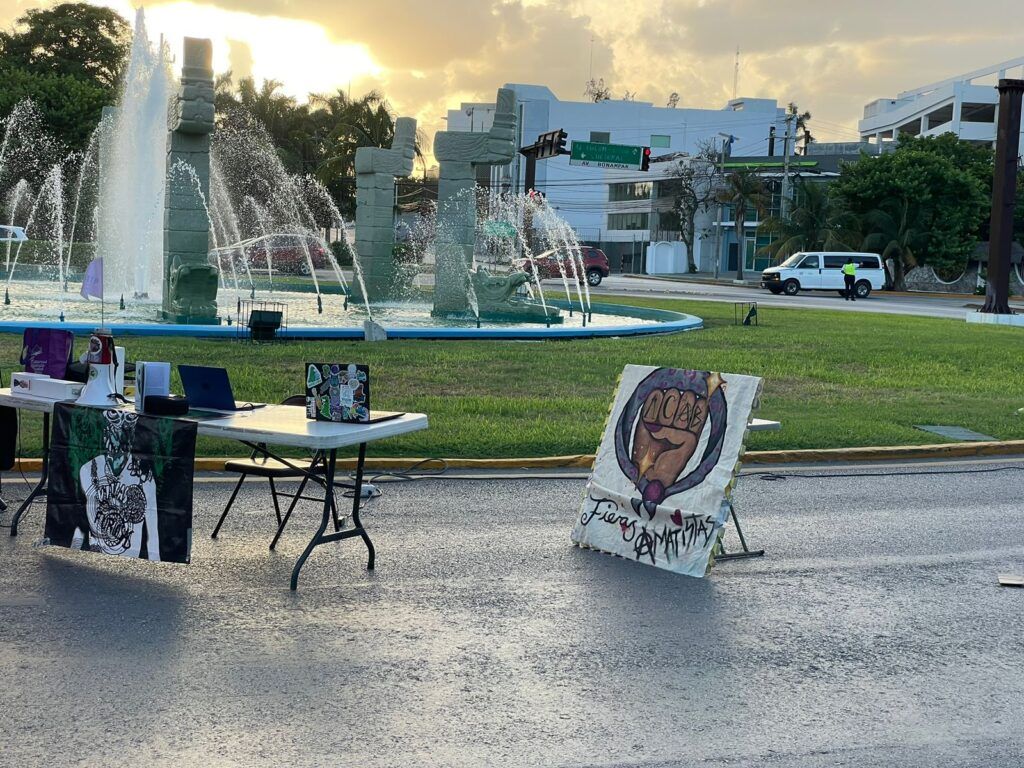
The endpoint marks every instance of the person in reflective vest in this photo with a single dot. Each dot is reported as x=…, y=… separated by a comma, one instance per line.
x=850, y=280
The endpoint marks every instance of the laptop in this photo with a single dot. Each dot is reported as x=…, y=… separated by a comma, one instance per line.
x=208, y=389
x=340, y=392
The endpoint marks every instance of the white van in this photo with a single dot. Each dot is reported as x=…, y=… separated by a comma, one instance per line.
x=806, y=271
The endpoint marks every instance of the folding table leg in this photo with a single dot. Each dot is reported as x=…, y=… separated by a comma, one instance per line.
x=288, y=514
x=224, y=514
x=273, y=495
x=44, y=473
x=356, y=498
x=328, y=496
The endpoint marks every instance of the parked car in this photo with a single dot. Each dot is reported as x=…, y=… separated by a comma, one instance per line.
x=595, y=264
x=824, y=272
x=10, y=234
x=287, y=253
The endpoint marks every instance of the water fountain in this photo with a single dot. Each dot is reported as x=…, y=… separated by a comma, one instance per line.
x=185, y=221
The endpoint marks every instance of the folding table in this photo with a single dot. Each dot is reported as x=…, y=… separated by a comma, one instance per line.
x=271, y=425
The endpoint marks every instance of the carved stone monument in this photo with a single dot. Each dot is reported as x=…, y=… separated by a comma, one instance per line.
x=458, y=153
x=376, y=170
x=190, y=281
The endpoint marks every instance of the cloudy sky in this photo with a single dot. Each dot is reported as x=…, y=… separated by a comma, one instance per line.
x=830, y=57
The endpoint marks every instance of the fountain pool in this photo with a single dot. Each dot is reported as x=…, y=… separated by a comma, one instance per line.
x=42, y=304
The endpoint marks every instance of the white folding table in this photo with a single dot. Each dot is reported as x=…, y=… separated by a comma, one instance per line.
x=271, y=425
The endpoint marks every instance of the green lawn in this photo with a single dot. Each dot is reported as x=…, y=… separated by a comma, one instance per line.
x=834, y=379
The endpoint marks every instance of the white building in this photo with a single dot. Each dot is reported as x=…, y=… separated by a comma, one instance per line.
x=965, y=105
x=612, y=208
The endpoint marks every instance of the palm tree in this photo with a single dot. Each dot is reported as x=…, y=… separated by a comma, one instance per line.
x=744, y=191
x=816, y=223
x=802, y=119
x=895, y=235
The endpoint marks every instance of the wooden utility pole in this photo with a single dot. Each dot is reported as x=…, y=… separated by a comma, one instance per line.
x=1004, y=194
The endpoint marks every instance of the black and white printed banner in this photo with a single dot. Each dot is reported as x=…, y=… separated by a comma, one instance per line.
x=121, y=483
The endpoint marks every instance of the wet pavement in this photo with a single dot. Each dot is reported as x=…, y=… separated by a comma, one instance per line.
x=872, y=634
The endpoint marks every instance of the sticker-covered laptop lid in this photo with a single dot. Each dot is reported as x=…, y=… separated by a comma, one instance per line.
x=338, y=392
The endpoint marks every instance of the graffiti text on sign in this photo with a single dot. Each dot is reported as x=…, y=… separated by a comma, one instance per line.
x=687, y=532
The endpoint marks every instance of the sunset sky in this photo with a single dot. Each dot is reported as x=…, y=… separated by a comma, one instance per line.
x=427, y=56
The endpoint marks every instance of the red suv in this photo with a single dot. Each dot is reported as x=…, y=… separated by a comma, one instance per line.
x=595, y=264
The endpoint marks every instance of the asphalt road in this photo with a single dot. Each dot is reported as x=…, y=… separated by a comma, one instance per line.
x=872, y=634
x=880, y=301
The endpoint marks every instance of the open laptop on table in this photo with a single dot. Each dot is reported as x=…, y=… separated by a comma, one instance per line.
x=209, y=389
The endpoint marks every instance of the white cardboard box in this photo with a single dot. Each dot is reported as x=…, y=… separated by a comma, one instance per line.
x=42, y=386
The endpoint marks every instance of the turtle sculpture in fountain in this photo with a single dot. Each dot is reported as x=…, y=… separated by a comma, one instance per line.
x=497, y=298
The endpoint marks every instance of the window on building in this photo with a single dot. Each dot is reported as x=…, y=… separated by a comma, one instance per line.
x=627, y=220
x=660, y=141
x=978, y=113
x=601, y=137
x=618, y=193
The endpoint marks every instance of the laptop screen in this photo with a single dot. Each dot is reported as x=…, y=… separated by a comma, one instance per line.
x=207, y=387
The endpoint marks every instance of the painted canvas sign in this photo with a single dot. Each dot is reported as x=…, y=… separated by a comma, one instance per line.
x=665, y=466
x=121, y=483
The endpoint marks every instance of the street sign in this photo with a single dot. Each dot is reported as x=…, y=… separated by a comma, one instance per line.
x=590, y=153
x=499, y=229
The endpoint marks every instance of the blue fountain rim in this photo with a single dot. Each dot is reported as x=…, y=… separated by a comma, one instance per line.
x=660, y=321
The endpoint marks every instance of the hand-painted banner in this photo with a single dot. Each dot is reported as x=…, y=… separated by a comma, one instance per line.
x=121, y=483
x=665, y=465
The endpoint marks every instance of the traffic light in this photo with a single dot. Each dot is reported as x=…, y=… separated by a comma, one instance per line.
x=550, y=144
x=645, y=163
x=560, y=143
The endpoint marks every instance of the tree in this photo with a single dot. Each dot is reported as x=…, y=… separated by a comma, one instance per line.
x=691, y=183
x=895, y=236
x=946, y=203
x=68, y=59
x=977, y=160
x=745, y=192
x=801, y=120
x=77, y=39
x=348, y=124
x=70, y=107
x=597, y=91
x=816, y=222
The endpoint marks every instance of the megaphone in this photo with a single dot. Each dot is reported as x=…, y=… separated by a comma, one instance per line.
x=101, y=387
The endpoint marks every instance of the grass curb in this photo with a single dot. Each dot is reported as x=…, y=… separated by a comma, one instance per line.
x=585, y=461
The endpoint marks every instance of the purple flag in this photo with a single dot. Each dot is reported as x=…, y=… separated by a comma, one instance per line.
x=92, y=283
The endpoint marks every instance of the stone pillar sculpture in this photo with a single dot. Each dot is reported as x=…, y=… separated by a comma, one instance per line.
x=376, y=170
x=458, y=153
x=190, y=281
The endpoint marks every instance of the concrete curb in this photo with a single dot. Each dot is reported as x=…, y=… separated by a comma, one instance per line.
x=585, y=461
